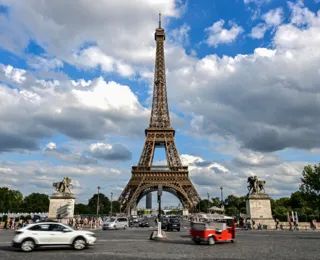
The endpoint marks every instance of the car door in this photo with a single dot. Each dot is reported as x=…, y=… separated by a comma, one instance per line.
x=58, y=234
x=119, y=223
x=41, y=233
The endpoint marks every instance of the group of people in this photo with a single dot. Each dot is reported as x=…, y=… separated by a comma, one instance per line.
x=87, y=222
x=14, y=223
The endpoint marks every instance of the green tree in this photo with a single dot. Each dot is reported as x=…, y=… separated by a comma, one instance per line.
x=298, y=200
x=204, y=205
x=104, y=204
x=81, y=209
x=235, y=202
x=36, y=202
x=10, y=200
x=232, y=211
x=216, y=202
x=310, y=184
x=115, y=206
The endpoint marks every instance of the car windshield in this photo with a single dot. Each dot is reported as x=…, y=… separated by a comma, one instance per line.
x=173, y=220
x=111, y=220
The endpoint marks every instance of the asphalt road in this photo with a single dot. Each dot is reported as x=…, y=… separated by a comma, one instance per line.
x=134, y=243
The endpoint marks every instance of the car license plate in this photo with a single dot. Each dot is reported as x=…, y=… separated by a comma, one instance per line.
x=174, y=225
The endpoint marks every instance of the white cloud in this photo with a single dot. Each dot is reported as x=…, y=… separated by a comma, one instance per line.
x=282, y=178
x=301, y=15
x=44, y=63
x=218, y=35
x=266, y=100
x=273, y=17
x=258, y=31
x=65, y=155
x=180, y=35
x=81, y=83
x=39, y=175
x=116, y=152
x=51, y=146
x=14, y=74
x=110, y=34
x=93, y=57
x=67, y=108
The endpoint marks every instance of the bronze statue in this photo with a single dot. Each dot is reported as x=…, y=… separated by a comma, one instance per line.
x=255, y=186
x=63, y=186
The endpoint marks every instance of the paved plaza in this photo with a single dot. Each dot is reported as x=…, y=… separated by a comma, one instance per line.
x=134, y=244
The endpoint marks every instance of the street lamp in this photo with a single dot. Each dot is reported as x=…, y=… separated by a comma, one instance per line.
x=111, y=203
x=208, y=202
x=98, y=202
x=222, y=204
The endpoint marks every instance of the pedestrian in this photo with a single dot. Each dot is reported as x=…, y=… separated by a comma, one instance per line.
x=259, y=226
x=290, y=225
x=253, y=224
x=277, y=224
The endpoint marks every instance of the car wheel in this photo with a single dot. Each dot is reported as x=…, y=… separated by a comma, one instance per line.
x=79, y=243
x=28, y=245
x=125, y=227
x=232, y=241
x=211, y=241
x=178, y=229
x=197, y=242
x=115, y=227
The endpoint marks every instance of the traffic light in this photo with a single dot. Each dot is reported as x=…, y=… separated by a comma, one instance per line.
x=159, y=198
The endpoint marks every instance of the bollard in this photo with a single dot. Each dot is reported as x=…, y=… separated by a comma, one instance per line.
x=159, y=235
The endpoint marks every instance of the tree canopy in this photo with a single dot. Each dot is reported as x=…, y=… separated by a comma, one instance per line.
x=10, y=200
x=310, y=183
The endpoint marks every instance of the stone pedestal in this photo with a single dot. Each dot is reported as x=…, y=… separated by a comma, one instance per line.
x=185, y=212
x=61, y=206
x=259, y=209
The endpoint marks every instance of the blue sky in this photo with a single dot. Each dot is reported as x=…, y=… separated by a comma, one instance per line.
x=76, y=87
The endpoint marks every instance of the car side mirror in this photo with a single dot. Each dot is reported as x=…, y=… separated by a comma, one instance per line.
x=66, y=230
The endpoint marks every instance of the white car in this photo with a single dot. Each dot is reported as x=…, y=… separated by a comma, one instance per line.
x=51, y=234
x=116, y=223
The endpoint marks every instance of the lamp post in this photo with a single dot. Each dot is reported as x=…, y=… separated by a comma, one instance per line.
x=208, y=202
x=111, y=203
x=222, y=204
x=98, y=202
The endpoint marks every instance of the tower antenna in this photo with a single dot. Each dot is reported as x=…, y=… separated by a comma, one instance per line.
x=159, y=20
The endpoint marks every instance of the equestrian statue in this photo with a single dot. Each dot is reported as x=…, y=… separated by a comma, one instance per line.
x=255, y=186
x=63, y=186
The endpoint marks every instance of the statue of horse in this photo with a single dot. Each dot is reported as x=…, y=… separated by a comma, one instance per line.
x=261, y=184
x=255, y=186
x=63, y=186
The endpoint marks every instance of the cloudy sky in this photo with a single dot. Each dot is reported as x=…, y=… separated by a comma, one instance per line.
x=76, y=89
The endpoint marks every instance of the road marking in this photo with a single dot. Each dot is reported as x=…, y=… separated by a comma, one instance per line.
x=122, y=240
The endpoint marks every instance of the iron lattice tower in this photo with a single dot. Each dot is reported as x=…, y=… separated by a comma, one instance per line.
x=174, y=177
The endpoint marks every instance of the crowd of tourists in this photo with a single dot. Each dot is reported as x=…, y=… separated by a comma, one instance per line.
x=14, y=223
x=87, y=222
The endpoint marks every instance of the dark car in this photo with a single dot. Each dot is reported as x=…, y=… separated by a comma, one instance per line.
x=144, y=224
x=164, y=223
x=173, y=224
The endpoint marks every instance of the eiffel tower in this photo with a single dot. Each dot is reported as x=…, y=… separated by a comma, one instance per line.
x=174, y=177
